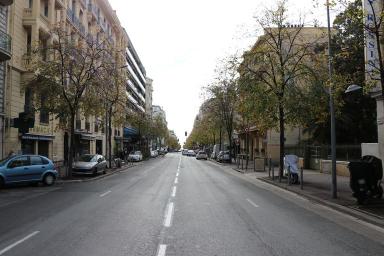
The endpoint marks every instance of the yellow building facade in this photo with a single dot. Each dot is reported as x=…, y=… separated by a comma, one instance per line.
x=30, y=22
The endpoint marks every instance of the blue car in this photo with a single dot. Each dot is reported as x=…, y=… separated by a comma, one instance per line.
x=27, y=168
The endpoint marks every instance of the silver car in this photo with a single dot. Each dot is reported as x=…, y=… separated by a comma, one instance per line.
x=90, y=164
x=202, y=155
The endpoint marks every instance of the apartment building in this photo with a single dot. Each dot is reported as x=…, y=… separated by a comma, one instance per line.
x=137, y=78
x=30, y=22
x=5, y=55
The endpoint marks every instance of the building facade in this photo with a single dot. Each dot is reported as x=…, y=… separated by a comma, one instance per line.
x=30, y=23
x=5, y=55
x=372, y=9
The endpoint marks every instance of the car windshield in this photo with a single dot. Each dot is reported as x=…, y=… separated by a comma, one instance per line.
x=137, y=153
x=87, y=158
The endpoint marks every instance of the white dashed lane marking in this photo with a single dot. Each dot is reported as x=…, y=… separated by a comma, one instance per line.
x=8, y=248
x=106, y=193
x=252, y=203
x=169, y=215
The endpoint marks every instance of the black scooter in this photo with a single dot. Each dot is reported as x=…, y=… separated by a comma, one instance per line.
x=365, y=178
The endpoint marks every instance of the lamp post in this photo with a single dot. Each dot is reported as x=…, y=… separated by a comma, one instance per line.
x=331, y=109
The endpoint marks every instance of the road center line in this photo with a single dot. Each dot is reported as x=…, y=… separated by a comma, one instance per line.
x=106, y=193
x=252, y=203
x=6, y=249
x=176, y=180
x=177, y=174
x=162, y=249
x=168, y=215
x=174, y=191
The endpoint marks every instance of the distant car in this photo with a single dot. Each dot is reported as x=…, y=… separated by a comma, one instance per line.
x=135, y=156
x=224, y=156
x=184, y=152
x=154, y=153
x=27, y=168
x=202, y=155
x=90, y=164
x=191, y=153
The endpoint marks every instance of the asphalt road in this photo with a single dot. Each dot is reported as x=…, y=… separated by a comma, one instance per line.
x=176, y=206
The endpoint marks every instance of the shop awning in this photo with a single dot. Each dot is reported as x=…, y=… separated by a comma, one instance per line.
x=130, y=132
x=37, y=137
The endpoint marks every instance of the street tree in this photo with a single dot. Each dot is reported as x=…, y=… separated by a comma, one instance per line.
x=223, y=94
x=277, y=66
x=63, y=74
x=111, y=89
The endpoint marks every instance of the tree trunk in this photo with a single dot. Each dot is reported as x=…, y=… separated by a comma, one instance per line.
x=71, y=144
x=220, y=138
x=110, y=136
x=282, y=139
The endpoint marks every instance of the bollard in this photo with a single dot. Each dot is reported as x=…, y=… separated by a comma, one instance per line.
x=273, y=172
x=269, y=167
x=254, y=164
x=242, y=163
x=279, y=175
x=301, y=178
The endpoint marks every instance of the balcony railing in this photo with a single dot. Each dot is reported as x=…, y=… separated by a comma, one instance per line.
x=93, y=9
x=5, y=46
x=27, y=13
x=75, y=21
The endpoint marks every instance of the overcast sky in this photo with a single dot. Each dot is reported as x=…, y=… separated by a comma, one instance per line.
x=180, y=41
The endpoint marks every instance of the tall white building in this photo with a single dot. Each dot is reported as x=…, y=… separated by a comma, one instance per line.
x=136, y=86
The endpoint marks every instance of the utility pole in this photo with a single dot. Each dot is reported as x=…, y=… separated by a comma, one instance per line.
x=332, y=109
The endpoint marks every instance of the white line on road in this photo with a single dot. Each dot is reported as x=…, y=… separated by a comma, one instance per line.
x=106, y=193
x=176, y=180
x=168, y=215
x=177, y=174
x=252, y=203
x=174, y=191
x=6, y=249
x=162, y=250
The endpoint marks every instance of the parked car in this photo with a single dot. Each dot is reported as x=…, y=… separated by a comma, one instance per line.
x=90, y=164
x=224, y=156
x=202, y=155
x=184, y=152
x=191, y=153
x=154, y=153
x=27, y=168
x=135, y=156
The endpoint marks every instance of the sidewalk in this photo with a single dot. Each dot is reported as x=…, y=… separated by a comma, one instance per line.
x=317, y=187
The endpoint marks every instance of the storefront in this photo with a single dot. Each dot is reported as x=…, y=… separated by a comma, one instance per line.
x=83, y=143
x=130, y=138
x=37, y=144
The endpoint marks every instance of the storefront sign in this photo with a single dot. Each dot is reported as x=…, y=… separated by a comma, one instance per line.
x=372, y=9
x=40, y=129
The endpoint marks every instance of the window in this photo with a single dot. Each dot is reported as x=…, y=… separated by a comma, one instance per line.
x=36, y=160
x=19, y=162
x=30, y=3
x=44, y=115
x=46, y=8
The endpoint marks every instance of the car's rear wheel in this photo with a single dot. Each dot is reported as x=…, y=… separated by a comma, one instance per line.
x=49, y=179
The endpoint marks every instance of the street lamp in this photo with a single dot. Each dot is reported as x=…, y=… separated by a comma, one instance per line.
x=331, y=109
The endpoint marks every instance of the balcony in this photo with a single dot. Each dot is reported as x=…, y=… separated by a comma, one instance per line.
x=5, y=46
x=75, y=21
x=6, y=2
x=93, y=10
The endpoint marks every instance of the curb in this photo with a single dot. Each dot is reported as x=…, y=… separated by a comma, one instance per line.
x=59, y=181
x=356, y=213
